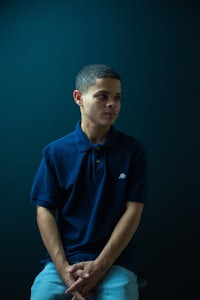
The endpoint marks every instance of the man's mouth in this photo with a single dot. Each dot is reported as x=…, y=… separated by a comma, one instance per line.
x=110, y=113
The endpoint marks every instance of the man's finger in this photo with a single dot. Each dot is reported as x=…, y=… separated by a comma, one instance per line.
x=76, y=296
x=75, y=267
x=78, y=272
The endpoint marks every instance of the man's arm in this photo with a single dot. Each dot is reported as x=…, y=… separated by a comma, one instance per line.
x=122, y=234
x=52, y=240
x=119, y=239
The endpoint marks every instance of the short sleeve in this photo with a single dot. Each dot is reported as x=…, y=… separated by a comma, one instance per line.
x=45, y=189
x=137, y=184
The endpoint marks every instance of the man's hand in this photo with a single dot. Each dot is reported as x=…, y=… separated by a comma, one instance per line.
x=70, y=279
x=87, y=275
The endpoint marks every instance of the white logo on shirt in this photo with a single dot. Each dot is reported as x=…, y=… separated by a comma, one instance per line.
x=122, y=176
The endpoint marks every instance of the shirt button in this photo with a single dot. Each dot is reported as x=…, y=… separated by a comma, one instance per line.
x=97, y=160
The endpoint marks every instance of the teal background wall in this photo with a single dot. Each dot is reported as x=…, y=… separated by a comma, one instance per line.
x=155, y=47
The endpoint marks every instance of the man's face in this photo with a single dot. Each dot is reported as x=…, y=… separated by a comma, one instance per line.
x=101, y=103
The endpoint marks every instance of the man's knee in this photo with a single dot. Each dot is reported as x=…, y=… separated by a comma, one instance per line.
x=48, y=285
x=119, y=284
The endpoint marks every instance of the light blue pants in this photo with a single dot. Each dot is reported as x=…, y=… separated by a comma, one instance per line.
x=118, y=284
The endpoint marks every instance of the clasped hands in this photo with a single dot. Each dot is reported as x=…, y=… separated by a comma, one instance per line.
x=84, y=277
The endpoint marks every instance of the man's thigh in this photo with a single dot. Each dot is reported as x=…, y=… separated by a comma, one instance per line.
x=118, y=284
x=48, y=285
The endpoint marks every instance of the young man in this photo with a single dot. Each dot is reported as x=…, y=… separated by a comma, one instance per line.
x=90, y=190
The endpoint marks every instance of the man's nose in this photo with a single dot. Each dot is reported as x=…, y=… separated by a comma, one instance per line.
x=111, y=101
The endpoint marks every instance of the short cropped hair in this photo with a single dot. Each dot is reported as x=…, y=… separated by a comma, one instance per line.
x=88, y=75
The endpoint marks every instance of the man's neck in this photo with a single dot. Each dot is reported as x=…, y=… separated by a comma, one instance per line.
x=95, y=134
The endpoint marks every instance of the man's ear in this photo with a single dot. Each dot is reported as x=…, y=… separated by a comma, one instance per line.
x=78, y=97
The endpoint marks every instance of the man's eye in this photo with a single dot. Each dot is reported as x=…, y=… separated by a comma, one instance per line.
x=103, y=97
x=118, y=98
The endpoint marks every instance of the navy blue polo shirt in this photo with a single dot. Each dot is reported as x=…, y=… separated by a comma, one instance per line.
x=88, y=185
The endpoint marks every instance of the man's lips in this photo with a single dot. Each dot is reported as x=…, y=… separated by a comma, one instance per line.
x=110, y=113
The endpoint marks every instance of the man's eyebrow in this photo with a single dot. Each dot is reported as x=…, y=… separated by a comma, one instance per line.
x=106, y=92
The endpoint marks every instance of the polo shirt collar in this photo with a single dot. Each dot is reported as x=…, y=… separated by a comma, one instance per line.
x=84, y=144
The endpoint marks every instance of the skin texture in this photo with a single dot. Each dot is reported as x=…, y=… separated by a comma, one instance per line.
x=99, y=108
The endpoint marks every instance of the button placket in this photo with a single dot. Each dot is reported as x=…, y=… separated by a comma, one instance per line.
x=98, y=161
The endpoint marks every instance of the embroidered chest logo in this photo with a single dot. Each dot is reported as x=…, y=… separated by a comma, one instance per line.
x=122, y=176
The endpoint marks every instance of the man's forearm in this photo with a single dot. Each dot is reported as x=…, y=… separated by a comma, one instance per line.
x=51, y=237
x=121, y=236
x=52, y=240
